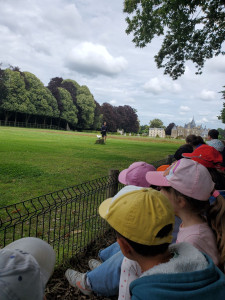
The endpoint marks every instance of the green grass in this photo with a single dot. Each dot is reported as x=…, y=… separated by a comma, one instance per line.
x=34, y=162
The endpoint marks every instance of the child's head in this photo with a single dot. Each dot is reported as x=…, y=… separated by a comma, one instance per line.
x=207, y=156
x=187, y=177
x=135, y=174
x=191, y=181
x=144, y=218
x=26, y=265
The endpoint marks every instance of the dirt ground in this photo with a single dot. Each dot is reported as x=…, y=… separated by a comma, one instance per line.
x=59, y=288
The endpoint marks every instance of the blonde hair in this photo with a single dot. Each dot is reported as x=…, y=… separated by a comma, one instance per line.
x=214, y=214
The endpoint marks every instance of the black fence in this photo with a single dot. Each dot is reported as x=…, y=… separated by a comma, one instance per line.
x=29, y=125
x=67, y=219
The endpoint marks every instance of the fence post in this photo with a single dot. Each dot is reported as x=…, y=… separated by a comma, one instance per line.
x=112, y=183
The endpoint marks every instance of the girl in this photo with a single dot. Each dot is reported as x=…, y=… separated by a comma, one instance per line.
x=188, y=185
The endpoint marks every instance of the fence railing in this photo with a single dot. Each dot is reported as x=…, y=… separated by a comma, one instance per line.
x=29, y=125
x=67, y=219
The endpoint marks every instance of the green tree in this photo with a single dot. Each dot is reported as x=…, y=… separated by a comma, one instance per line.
x=156, y=123
x=144, y=129
x=86, y=106
x=69, y=110
x=16, y=99
x=222, y=115
x=193, y=30
x=40, y=96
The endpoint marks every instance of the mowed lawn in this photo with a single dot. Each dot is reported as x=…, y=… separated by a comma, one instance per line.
x=34, y=162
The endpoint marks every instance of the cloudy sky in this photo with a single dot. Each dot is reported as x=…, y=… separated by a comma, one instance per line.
x=85, y=40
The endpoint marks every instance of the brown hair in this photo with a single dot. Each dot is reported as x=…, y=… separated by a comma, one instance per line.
x=214, y=214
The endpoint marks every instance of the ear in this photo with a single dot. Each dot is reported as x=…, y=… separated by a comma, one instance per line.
x=125, y=247
x=181, y=202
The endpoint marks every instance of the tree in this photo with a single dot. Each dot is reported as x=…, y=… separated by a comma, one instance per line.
x=169, y=128
x=193, y=30
x=16, y=98
x=69, y=110
x=144, y=129
x=156, y=123
x=222, y=115
x=109, y=116
x=98, y=117
x=43, y=100
x=221, y=133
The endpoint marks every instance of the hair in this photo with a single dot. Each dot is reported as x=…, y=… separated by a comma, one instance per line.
x=214, y=214
x=194, y=140
x=153, y=250
x=213, y=133
x=218, y=177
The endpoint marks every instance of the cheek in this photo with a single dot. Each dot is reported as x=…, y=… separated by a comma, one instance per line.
x=168, y=196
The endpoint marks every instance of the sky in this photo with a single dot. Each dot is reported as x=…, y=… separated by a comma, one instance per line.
x=85, y=40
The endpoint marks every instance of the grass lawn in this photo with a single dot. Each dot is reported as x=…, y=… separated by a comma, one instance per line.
x=34, y=162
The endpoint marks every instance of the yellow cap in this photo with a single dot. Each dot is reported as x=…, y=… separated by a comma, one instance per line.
x=139, y=215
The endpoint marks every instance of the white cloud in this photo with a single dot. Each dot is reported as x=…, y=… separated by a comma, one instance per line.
x=184, y=108
x=92, y=59
x=113, y=102
x=208, y=95
x=161, y=85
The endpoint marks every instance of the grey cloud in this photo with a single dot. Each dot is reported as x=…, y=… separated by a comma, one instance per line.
x=93, y=59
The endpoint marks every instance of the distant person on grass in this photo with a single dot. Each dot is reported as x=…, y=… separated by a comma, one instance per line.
x=104, y=131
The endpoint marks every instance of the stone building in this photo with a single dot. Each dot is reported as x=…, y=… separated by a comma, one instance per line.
x=189, y=128
x=154, y=132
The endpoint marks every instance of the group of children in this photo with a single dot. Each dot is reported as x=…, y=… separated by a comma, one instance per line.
x=170, y=228
x=143, y=264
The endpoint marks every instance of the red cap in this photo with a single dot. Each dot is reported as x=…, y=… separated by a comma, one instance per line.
x=207, y=156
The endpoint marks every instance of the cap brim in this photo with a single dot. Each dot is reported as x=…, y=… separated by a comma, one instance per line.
x=104, y=207
x=157, y=178
x=188, y=155
x=122, y=176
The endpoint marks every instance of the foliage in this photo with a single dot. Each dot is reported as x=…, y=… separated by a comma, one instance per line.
x=16, y=98
x=221, y=133
x=144, y=129
x=193, y=30
x=69, y=110
x=156, y=123
x=43, y=100
x=169, y=128
x=86, y=106
x=222, y=115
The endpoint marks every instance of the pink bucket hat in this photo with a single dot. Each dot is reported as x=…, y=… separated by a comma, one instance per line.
x=135, y=174
x=187, y=177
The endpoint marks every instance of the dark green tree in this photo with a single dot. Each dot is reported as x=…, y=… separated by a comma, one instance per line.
x=16, y=99
x=192, y=30
x=156, y=123
x=169, y=128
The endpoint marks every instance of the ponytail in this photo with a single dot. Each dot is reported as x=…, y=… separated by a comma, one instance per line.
x=216, y=220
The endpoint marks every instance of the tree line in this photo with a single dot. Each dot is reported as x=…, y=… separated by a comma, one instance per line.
x=63, y=102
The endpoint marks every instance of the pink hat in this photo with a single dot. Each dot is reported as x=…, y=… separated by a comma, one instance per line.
x=135, y=174
x=187, y=177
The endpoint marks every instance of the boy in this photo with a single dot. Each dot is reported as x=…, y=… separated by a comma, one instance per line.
x=143, y=220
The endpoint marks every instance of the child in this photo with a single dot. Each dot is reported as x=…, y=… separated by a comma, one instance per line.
x=134, y=176
x=25, y=268
x=144, y=232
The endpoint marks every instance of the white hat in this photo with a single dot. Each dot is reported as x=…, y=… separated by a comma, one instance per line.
x=25, y=267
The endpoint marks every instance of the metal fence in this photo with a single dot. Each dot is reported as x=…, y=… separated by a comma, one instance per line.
x=67, y=219
x=29, y=125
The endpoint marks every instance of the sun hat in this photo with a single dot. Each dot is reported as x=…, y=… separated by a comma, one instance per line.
x=25, y=267
x=139, y=215
x=135, y=174
x=187, y=177
x=207, y=156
